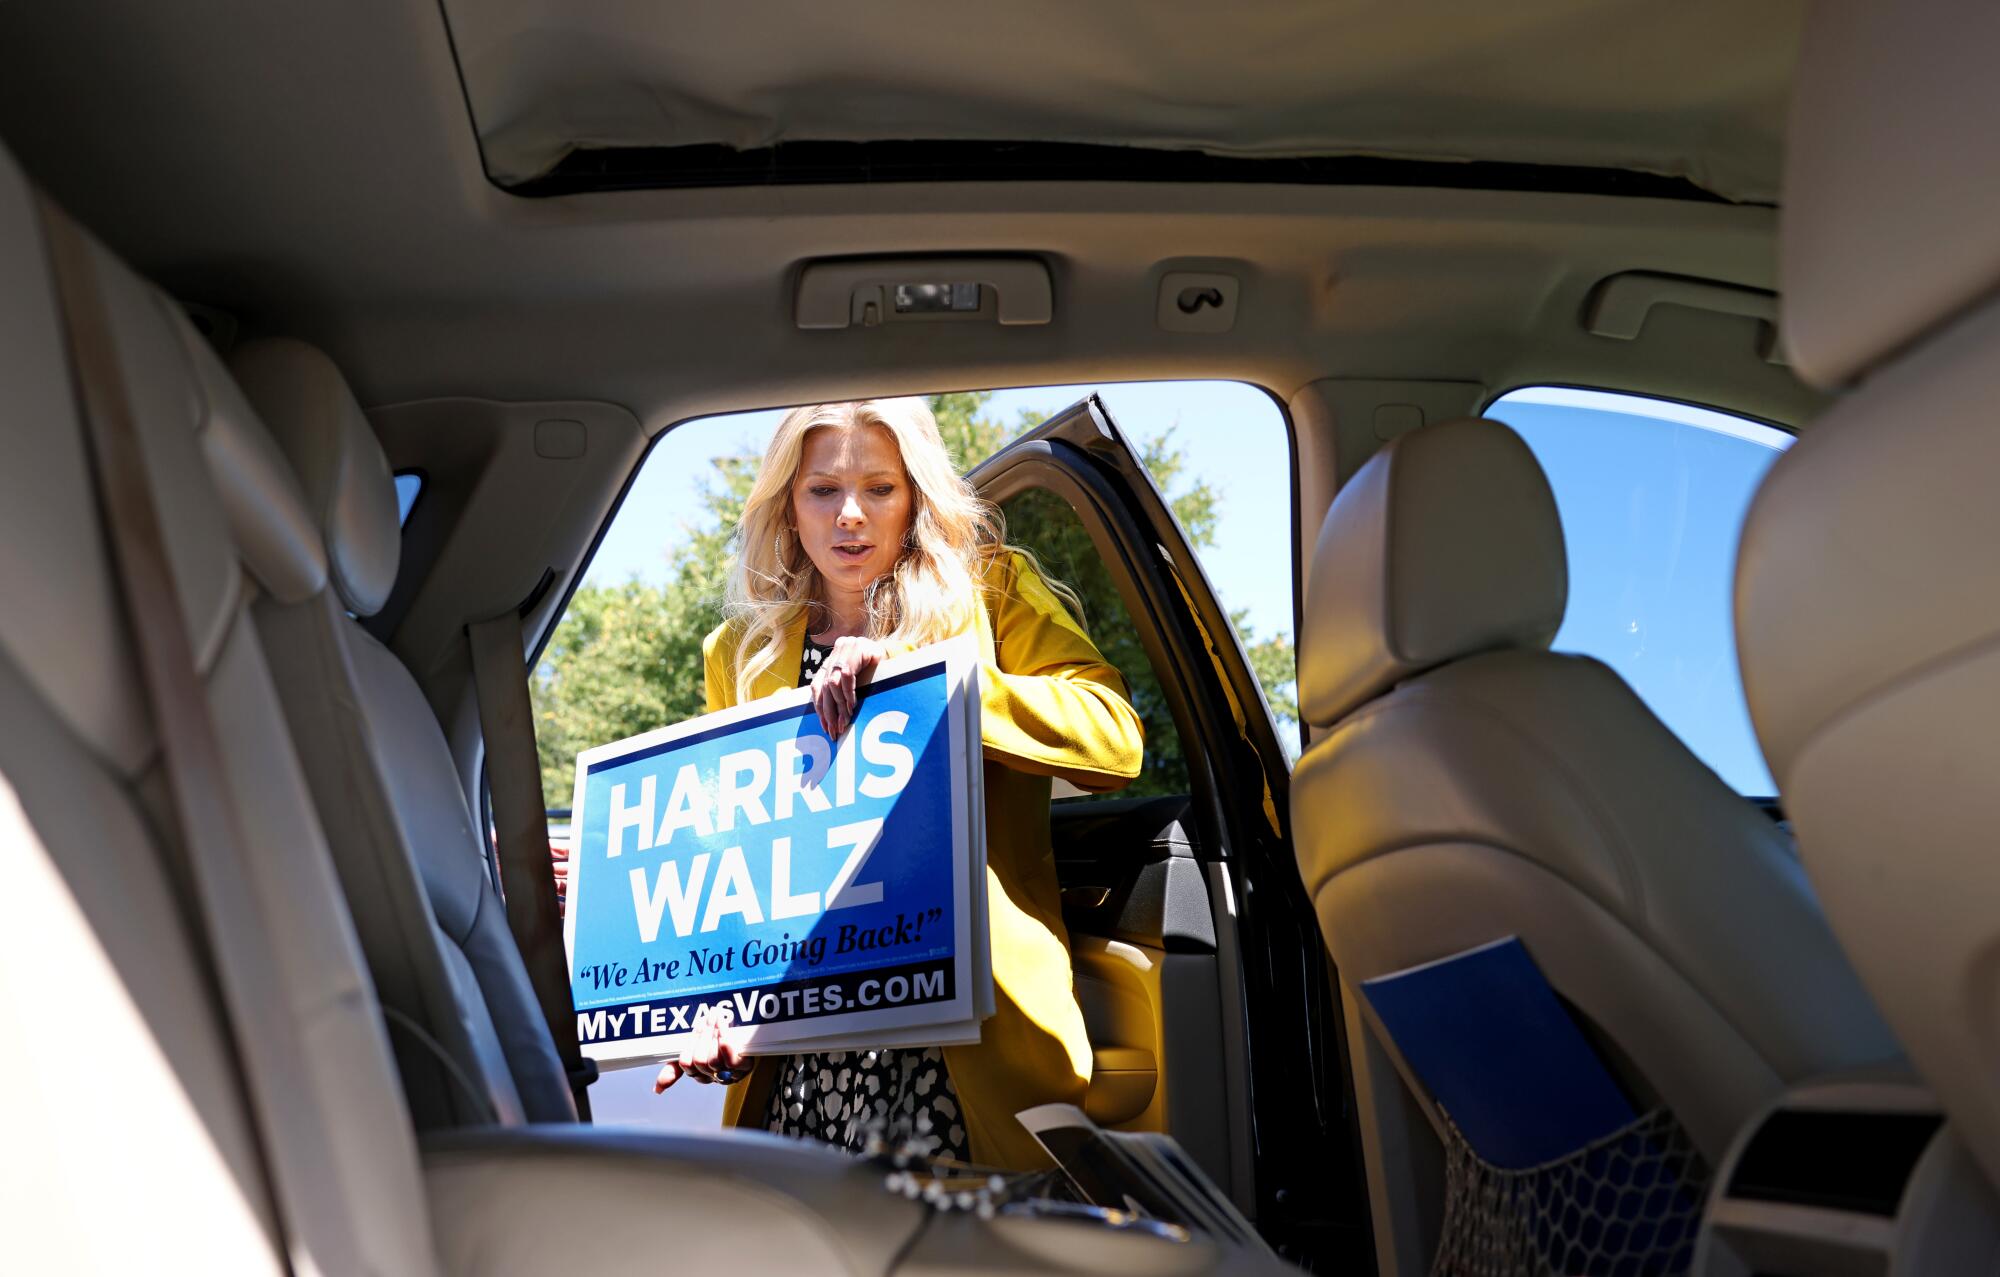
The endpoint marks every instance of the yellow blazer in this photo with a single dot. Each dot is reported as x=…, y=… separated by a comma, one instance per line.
x=1049, y=706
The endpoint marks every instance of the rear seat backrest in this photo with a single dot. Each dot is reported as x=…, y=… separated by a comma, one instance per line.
x=1866, y=613
x=1473, y=786
x=469, y=1033
x=127, y=1145
x=127, y=1127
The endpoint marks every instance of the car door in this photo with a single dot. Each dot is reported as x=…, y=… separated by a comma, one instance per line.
x=1199, y=963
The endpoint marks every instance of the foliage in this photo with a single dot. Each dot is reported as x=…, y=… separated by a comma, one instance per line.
x=1042, y=521
x=627, y=657
x=1276, y=665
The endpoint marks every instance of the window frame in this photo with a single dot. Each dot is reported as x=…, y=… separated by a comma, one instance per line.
x=1486, y=406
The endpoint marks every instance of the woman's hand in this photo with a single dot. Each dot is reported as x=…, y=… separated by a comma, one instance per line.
x=559, y=864
x=836, y=687
x=708, y=1057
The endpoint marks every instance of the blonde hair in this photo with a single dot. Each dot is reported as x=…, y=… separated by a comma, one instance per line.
x=953, y=539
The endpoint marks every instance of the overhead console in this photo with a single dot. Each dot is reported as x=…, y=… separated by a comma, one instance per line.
x=1850, y=1177
x=866, y=292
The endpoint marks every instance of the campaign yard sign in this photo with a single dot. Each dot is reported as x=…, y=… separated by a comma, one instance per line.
x=820, y=893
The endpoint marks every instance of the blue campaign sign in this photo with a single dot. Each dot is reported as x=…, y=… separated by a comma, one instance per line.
x=813, y=889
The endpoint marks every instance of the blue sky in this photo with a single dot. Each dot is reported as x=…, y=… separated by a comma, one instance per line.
x=1652, y=509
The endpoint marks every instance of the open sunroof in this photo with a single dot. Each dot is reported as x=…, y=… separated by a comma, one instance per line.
x=821, y=163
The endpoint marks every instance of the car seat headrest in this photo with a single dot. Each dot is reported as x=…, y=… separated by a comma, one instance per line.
x=349, y=490
x=1444, y=545
x=1891, y=179
x=275, y=536
x=1865, y=618
x=63, y=631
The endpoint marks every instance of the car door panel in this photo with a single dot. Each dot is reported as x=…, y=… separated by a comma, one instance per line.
x=1193, y=940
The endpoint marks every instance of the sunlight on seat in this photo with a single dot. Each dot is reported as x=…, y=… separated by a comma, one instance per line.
x=130, y=1173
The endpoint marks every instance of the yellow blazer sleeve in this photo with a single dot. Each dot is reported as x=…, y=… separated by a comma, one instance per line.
x=1049, y=704
x=718, y=688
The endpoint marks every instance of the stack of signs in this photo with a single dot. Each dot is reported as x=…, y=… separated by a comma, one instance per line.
x=822, y=894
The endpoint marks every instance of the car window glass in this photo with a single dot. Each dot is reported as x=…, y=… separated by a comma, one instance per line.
x=1653, y=495
x=1044, y=523
x=409, y=485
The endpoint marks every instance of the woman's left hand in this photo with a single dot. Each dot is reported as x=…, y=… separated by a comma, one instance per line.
x=836, y=687
x=709, y=1055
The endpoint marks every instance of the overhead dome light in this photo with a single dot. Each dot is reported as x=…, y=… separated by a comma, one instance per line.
x=932, y=299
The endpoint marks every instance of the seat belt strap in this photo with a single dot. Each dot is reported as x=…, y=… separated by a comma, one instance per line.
x=312, y=1214
x=521, y=826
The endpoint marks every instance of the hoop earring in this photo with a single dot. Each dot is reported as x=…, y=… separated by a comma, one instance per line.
x=778, y=546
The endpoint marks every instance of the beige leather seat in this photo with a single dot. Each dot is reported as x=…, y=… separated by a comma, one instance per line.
x=469, y=1036
x=1469, y=785
x=128, y=1141
x=129, y=1144
x=1868, y=587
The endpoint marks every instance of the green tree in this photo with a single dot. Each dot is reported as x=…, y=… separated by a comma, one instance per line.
x=1276, y=664
x=627, y=657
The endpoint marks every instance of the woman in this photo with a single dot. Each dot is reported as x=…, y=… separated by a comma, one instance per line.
x=860, y=541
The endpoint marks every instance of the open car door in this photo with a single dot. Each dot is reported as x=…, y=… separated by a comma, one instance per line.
x=1211, y=1004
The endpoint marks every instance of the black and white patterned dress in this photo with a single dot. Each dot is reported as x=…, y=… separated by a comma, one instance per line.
x=843, y=1097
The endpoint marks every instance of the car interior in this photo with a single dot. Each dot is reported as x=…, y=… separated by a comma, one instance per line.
x=1499, y=974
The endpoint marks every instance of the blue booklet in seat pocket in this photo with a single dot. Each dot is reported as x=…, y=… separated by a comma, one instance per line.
x=1484, y=1033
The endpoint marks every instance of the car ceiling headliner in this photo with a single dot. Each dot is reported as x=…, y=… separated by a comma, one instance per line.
x=1693, y=89
x=314, y=168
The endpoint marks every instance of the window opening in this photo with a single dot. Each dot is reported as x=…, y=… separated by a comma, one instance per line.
x=1653, y=495
x=626, y=655
x=409, y=486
